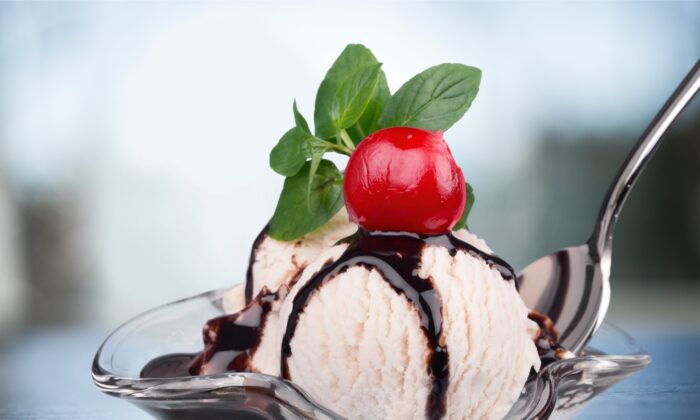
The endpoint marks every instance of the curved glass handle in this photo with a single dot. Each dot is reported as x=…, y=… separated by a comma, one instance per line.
x=638, y=158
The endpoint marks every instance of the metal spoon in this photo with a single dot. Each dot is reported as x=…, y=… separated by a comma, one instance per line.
x=572, y=286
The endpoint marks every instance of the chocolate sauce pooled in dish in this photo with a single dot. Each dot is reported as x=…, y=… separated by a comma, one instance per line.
x=230, y=341
x=169, y=366
x=397, y=256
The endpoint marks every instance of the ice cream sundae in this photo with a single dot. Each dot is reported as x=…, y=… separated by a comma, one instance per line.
x=366, y=289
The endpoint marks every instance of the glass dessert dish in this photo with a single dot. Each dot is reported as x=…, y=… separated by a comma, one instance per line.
x=560, y=390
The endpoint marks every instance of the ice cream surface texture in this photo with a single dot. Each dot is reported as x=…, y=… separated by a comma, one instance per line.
x=451, y=340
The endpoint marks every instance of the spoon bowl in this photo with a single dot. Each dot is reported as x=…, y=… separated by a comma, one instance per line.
x=572, y=286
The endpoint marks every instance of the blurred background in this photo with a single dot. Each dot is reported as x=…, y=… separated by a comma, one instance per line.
x=134, y=140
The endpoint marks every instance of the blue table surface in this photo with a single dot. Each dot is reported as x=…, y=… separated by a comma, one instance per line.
x=46, y=375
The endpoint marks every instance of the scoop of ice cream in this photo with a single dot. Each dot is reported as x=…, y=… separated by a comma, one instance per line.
x=414, y=327
x=247, y=339
x=409, y=328
x=274, y=263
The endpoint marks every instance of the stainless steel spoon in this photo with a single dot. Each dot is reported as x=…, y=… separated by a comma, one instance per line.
x=572, y=286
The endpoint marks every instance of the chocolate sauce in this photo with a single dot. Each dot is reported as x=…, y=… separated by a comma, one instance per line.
x=231, y=340
x=547, y=341
x=492, y=260
x=249, y=281
x=169, y=366
x=396, y=256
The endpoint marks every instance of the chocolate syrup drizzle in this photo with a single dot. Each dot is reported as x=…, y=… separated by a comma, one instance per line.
x=249, y=281
x=397, y=256
x=230, y=341
x=547, y=340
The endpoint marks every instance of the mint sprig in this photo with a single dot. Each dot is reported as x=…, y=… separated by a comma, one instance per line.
x=462, y=222
x=352, y=102
x=304, y=206
x=300, y=121
x=291, y=152
x=354, y=58
x=434, y=99
x=353, y=96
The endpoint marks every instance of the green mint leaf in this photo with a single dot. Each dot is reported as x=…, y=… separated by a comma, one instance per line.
x=291, y=152
x=294, y=215
x=316, y=156
x=462, y=222
x=353, y=95
x=434, y=99
x=367, y=123
x=299, y=119
x=353, y=57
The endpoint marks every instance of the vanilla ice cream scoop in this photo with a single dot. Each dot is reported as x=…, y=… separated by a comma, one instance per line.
x=408, y=326
x=247, y=340
x=381, y=325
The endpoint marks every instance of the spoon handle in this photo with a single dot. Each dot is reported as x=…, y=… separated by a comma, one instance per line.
x=638, y=158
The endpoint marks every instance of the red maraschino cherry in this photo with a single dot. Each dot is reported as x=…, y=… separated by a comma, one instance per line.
x=404, y=179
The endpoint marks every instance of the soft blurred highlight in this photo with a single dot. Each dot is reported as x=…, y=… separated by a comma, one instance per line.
x=134, y=139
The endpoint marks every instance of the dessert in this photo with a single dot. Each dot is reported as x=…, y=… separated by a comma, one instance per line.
x=366, y=289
